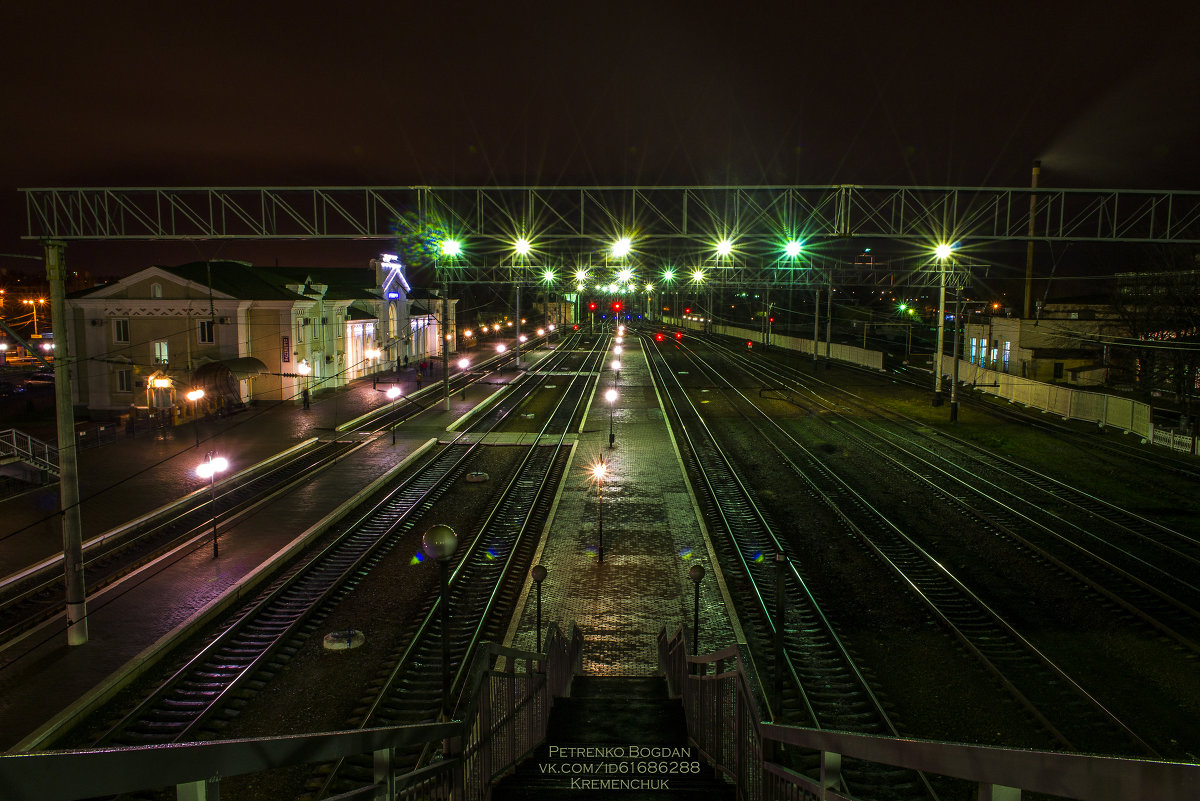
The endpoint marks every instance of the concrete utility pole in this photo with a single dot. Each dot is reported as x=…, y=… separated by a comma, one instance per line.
x=446, y=344
x=941, y=330
x=68, y=474
x=1037, y=169
x=518, y=339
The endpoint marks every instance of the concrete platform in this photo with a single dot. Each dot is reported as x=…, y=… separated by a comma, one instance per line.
x=653, y=534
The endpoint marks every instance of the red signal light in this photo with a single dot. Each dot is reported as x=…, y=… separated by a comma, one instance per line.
x=679, y=335
x=616, y=305
x=658, y=337
x=687, y=310
x=576, y=328
x=592, y=306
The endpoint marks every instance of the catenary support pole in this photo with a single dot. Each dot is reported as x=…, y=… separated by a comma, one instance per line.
x=828, y=324
x=68, y=474
x=941, y=330
x=447, y=333
x=954, y=354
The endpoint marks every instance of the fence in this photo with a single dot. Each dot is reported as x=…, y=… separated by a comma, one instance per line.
x=1111, y=411
x=502, y=717
x=722, y=700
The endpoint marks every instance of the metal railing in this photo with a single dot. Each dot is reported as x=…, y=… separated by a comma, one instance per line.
x=722, y=701
x=40, y=454
x=501, y=718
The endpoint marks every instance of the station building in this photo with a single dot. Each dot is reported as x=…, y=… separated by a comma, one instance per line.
x=243, y=334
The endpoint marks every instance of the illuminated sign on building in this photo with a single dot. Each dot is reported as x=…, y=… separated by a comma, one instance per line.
x=394, y=278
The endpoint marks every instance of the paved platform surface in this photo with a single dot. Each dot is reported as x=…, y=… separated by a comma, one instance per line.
x=652, y=537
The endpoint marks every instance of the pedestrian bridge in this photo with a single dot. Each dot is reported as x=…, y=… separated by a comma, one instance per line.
x=526, y=727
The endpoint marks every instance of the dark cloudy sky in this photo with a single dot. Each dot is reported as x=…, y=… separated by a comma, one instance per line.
x=300, y=93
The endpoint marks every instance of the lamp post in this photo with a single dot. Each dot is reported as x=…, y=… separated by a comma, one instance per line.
x=393, y=393
x=611, y=397
x=539, y=575
x=194, y=396
x=374, y=353
x=616, y=366
x=304, y=369
x=34, y=305
x=696, y=573
x=439, y=543
x=209, y=469
x=780, y=574
x=598, y=473
x=942, y=253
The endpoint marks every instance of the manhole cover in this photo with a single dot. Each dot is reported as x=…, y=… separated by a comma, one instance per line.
x=477, y=477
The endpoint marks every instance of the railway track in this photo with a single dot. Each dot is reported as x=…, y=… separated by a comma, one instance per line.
x=824, y=686
x=895, y=448
x=484, y=586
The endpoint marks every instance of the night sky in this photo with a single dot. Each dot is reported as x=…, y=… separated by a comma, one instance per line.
x=299, y=93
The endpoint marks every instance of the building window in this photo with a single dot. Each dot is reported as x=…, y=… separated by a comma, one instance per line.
x=124, y=381
x=1058, y=370
x=299, y=331
x=995, y=352
x=120, y=330
x=156, y=290
x=1007, y=347
x=160, y=352
x=206, y=332
x=974, y=351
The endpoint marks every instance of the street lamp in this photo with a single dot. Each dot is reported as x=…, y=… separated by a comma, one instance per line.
x=209, y=469
x=194, y=396
x=696, y=573
x=942, y=252
x=34, y=304
x=539, y=575
x=393, y=393
x=616, y=366
x=439, y=544
x=598, y=472
x=611, y=397
x=374, y=353
x=304, y=369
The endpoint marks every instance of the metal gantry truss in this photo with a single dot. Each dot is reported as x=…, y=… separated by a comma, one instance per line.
x=675, y=227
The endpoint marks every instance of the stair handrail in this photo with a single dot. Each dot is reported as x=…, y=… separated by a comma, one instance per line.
x=504, y=713
x=491, y=715
x=724, y=724
x=30, y=449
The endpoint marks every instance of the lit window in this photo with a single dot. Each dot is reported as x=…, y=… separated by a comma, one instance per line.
x=156, y=290
x=120, y=330
x=974, y=346
x=206, y=332
x=160, y=352
x=1007, y=346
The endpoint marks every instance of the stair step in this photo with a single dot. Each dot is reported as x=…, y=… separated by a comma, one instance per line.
x=622, y=736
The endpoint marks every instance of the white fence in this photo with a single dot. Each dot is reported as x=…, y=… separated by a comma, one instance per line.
x=1111, y=411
